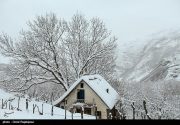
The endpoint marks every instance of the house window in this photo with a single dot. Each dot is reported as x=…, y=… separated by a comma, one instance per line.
x=107, y=90
x=80, y=96
x=82, y=85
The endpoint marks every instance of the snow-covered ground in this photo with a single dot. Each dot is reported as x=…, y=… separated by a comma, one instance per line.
x=58, y=113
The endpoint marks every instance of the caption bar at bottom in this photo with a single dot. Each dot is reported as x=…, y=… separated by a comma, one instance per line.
x=17, y=122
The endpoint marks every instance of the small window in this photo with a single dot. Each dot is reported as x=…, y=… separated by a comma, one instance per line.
x=82, y=85
x=107, y=90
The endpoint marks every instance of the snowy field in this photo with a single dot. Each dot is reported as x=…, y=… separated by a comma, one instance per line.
x=11, y=111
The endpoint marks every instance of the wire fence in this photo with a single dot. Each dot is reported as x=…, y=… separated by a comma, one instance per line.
x=7, y=104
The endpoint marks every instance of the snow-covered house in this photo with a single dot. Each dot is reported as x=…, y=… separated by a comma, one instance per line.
x=91, y=94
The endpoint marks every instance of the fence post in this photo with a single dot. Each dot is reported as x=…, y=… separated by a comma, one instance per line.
x=6, y=104
x=34, y=106
x=72, y=113
x=9, y=105
x=2, y=104
x=82, y=112
x=96, y=111
x=65, y=107
x=52, y=110
x=42, y=109
x=26, y=104
x=18, y=102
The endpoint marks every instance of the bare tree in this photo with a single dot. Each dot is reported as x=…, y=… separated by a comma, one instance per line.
x=53, y=50
x=89, y=47
x=36, y=53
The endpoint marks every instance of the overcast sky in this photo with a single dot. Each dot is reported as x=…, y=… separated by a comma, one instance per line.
x=129, y=20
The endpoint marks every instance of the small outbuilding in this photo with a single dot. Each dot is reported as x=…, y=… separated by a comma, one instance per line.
x=91, y=94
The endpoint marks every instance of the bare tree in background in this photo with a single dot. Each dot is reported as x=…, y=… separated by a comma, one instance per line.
x=89, y=47
x=56, y=51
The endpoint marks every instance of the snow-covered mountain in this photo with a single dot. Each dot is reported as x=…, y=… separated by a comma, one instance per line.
x=159, y=59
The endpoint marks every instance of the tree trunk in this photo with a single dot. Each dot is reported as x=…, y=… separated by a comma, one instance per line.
x=132, y=105
x=144, y=104
x=52, y=96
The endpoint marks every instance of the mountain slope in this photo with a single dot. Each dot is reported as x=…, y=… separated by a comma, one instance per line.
x=159, y=60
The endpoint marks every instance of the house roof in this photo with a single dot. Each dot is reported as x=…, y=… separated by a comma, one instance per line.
x=99, y=85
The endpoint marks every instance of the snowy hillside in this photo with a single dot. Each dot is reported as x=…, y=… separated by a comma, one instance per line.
x=11, y=110
x=127, y=53
x=159, y=60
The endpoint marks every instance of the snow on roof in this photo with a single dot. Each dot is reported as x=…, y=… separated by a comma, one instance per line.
x=102, y=88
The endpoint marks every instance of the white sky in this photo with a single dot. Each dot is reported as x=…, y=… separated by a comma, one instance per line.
x=129, y=20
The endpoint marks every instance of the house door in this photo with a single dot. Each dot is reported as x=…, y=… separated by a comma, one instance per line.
x=98, y=114
x=80, y=96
